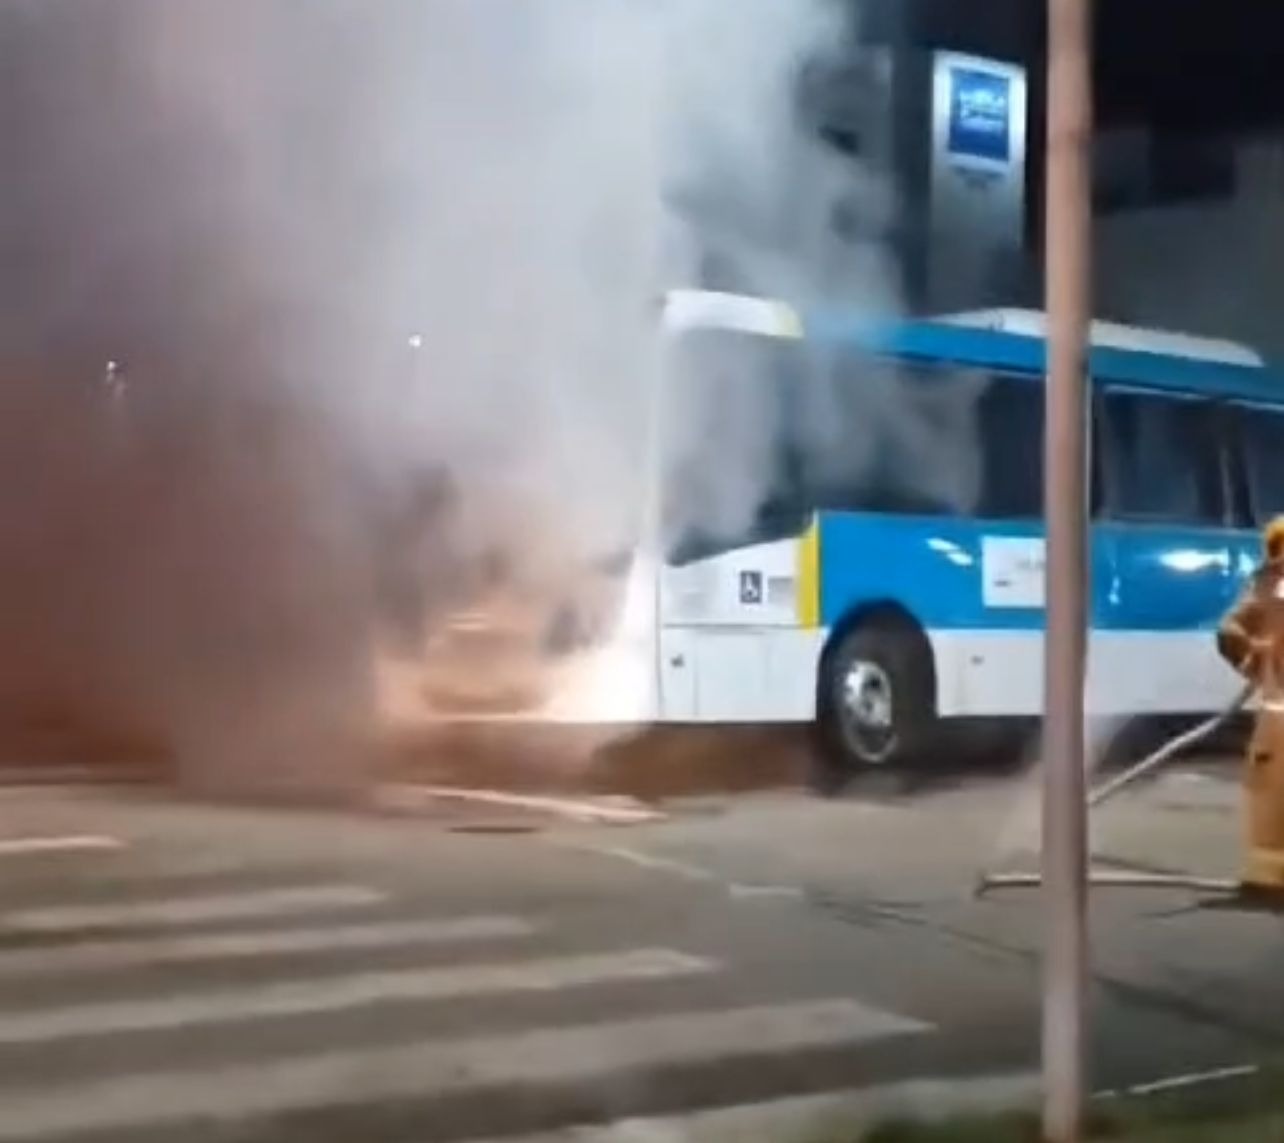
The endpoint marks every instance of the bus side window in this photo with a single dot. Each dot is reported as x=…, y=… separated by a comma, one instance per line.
x=892, y=437
x=1162, y=460
x=1010, y=437
x=1096, y=436
x=1262, y=435
x=940, y=440
x=1234, y=450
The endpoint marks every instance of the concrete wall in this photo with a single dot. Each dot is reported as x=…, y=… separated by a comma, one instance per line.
x=1212, y=268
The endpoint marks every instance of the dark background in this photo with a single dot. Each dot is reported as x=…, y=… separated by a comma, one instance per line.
x=1186, y=69
x=1180, y=87
x=1193, y=64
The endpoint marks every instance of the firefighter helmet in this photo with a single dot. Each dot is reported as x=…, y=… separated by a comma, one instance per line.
x=1273, y=540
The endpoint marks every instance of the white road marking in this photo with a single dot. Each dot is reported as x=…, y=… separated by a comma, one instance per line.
x=434, y=1069
x=653, y=861
x=687, y=871
x=764, y=892
x=1180, y=1082
x=300, y=998
x=70, y=843
x=193, y=909
x=609, y=811
x=98, y=956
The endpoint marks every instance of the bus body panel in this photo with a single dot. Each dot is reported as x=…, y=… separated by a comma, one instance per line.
x=990, y=674
x=736, y=641
x=756, y=674
x=947, y=573
x=736, y=644
x=958, y=573
x=739, y=674
x=756, y=585
x=976, y=588
x=742, y=633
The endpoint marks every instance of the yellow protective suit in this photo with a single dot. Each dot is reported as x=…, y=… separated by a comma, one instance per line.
x=1251, y=639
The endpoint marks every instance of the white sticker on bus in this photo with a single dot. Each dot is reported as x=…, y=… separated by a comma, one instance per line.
x=782, y=591
x=1012, y=571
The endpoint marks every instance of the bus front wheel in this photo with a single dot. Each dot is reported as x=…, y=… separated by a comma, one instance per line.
x=875, y=704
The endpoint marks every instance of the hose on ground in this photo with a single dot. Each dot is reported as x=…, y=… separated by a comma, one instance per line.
x=1174, y=746
x=1171, y=748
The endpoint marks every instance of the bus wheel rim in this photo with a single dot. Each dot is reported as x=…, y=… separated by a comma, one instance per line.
x=868, y=709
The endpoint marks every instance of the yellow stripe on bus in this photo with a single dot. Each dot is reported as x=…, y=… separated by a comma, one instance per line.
x=809, y=576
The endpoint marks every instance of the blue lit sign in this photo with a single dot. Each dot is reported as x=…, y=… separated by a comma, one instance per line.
x=980, y=119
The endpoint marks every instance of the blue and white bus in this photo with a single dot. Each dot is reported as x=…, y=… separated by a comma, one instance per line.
x=884, y=597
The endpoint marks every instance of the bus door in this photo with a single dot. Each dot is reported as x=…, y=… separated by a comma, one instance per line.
x=1165, y=546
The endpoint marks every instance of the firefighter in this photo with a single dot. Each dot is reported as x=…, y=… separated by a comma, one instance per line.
x=1251, y=639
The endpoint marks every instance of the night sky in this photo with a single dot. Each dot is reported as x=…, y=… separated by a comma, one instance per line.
x=1179, y=63
x=1191, y=63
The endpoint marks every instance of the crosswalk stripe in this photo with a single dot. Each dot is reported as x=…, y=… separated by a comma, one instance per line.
x=439, y=1068
x=130, y=953
x=299, y=998
x=192, y=909
x=65, y=843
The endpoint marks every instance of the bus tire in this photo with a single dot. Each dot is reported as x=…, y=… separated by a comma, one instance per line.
x=876, y=702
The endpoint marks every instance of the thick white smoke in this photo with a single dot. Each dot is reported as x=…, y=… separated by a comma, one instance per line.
x=382, y=279
x=761, y=201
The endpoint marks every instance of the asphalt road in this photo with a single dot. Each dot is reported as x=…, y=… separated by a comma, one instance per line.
x=178, y=972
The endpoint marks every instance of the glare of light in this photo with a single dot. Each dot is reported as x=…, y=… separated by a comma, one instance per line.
x=615, y=683
x=953, y=552
x=1189, y=560
x=416, y=341
x=113, y=380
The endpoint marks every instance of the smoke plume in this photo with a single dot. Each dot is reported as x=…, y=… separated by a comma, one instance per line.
x=317, y=322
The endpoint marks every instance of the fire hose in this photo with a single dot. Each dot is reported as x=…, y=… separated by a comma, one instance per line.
x=987, y=881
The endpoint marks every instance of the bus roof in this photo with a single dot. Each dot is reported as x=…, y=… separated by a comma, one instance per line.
x=975, y=343
x=1034, y=323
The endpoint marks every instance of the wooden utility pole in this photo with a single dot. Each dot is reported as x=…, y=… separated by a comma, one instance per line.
x=1067, y=269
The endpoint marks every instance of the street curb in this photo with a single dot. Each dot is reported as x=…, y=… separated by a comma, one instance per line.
x=407, y=797
x=106, y=774
x=805, y=1119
